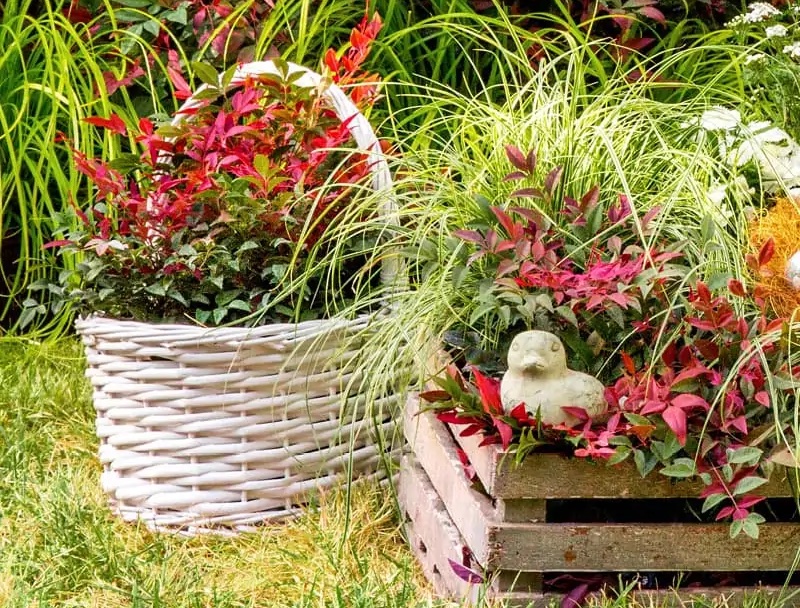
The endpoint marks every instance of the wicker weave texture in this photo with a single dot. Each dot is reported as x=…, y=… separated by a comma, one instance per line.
x=216, y=430
x=229, y=428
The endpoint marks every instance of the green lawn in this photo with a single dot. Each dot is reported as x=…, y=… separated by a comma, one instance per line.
x=59, y=545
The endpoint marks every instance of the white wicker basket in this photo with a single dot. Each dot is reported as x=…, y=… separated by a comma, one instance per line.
x=216, y=430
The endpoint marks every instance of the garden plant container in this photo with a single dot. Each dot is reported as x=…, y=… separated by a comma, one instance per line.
x=219, y=429
x=519, y=527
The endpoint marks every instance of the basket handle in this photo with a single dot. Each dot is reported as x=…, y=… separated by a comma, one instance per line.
x=392, y=269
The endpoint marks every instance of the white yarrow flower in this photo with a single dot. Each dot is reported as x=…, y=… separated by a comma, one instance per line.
x=720, y=119
x=776, y=31
x=793, y=50
x=760, y=11
x=755, y=57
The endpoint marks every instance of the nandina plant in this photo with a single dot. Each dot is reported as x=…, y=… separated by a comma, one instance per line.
x=210, y=218
x=697, y=382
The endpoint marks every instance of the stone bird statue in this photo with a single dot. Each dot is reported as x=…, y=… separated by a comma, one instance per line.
x=538, y=377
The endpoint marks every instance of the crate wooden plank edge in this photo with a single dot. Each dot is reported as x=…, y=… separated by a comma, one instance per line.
x=590, y=547
x=428, y=524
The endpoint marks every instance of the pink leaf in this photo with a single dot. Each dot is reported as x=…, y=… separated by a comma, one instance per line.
x=465, y=574
x=689, y=401
x=653, y=13
x=675, y=418
x=113, y=123
x=575, y=597
x=505, y=431
x=763, y=398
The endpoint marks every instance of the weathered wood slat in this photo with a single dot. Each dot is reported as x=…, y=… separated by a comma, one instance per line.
x=543, y=476
x=430, y=531
x=435, y=450
x=642, y=547
x=430, y=526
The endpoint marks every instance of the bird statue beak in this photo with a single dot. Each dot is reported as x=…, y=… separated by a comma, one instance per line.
x=533, y=363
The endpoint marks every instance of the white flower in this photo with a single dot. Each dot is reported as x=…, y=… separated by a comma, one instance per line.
x=717, y=193
x=793, y=50
x=776, y=31
x=759, y=11
x=794, y=194
x=755, y=57
x=720, y=119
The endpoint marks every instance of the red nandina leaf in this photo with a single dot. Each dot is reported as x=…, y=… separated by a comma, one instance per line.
x=520, y=414
x=469, y=470
x=331, y=62
x=577, y=412
x=589, y=200
x=652, y=406
x=435, y=396
x=613, y=422
x=58, y=243
x=505, y=431
x=725, y=512
x=766, y=252
x=740, y=513
x=552, y=180
x=113, y=123
x=675, y=417
x=574, y=599
x=687, y=401
x=517, y=158
x=762, y=397
x=489, y=440
x=627, y=361
x=465, y=574
x=472, y=429
x=452, y=417
x=703, y=293
x=653, y=13
x=749, y=501
x=489, y=390
x=736, y=288
x=687, y=374
x=642, y=431
x=740, y=424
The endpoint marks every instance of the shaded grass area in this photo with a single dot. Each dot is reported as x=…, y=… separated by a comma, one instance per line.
x=59, y=545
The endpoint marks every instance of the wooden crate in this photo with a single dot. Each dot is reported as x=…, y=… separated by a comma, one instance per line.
x=505, y=525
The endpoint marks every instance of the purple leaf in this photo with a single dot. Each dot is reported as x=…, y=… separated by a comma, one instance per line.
x=575, y=598
x=465, y=574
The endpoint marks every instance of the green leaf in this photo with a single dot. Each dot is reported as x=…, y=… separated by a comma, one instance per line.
x=619, y=455
x=712, y=501
x=641, y=462
x=157, y=289
x=262, y=164
x=748, y=484
x=125, y=163
x=565, y=312
x=736, y=527
x=187, y=250
x=239, y=305
x=206, y=73
x=637, y=420
x=750, y=529
x=219, y=314
x=680, y=468
x=153, y=27
x=179, y=15
x=745, y=455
